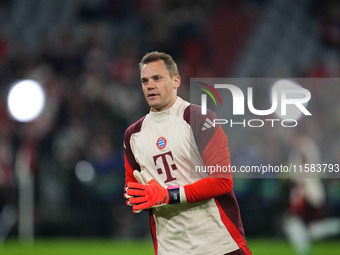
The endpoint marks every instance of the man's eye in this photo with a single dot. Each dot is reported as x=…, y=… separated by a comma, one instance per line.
x=157, y=78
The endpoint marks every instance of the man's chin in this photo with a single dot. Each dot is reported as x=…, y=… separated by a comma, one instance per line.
x=153, y=102
x=155, y=106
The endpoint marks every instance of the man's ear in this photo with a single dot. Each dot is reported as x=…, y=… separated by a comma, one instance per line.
x=177, y=81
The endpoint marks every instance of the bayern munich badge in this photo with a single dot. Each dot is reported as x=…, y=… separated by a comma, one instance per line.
x=161, y=143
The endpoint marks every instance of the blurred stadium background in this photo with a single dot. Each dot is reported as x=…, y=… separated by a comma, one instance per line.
x=85, y=55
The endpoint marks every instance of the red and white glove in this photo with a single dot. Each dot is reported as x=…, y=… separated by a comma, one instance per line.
x=148, y=193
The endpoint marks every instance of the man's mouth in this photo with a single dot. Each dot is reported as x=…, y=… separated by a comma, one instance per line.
x=152, y=95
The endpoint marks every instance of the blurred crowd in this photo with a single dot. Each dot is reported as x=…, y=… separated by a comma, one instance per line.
x=87, y=65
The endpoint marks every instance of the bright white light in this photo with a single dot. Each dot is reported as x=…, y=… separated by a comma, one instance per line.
x=26, y=100
x=84, y=171
x=293, y=112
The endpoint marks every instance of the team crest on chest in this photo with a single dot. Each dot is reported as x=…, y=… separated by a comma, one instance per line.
x=161, y=143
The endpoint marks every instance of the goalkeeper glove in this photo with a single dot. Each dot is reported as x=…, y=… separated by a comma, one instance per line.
x=141, y=180
x=149, y=193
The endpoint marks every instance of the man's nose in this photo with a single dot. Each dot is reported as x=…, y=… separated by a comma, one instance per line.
x=150, y=85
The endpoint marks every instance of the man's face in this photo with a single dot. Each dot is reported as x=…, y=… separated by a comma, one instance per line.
x=160, y=90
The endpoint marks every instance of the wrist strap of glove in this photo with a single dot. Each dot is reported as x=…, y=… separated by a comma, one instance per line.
x=174, y=195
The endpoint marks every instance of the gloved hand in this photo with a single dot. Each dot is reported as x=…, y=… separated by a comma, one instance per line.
x=140, y=180
x=148, y=193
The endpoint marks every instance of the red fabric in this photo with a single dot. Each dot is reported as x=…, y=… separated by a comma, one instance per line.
x=129, y=177
x=233, y=230
x=246, y=250
x=217, y=152
x=207, y=188
x=153, y=233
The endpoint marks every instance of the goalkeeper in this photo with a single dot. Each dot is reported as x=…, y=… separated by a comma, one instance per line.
x=190, y=212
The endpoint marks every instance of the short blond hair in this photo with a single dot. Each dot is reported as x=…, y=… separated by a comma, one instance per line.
x=155, y=56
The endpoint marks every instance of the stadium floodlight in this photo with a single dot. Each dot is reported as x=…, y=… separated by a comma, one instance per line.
x=26, y=100
x=294, y=89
